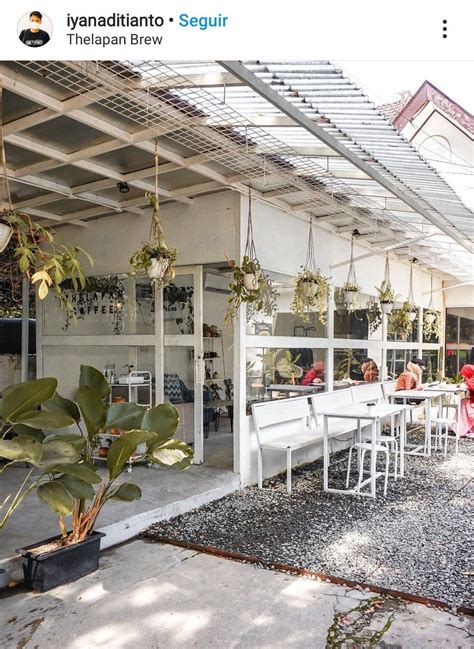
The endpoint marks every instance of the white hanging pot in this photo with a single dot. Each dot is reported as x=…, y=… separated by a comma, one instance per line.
x=350, y=298
x=158, y=268
x=412, y=315
x=430, y=318
x=310, y=289
x=250, y=328
x=6, y=232
x=251, y=281
x=386, y=307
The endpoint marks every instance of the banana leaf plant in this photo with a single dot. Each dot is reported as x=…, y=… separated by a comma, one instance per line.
x=61, y=465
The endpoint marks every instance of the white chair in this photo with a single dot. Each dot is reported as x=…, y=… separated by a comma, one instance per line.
x=363, y=447
x=442, y=425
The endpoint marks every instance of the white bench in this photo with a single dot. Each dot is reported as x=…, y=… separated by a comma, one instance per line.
x=367, y=392
x=283, y=425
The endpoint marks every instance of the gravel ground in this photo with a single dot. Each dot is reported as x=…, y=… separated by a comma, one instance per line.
x=417, y=539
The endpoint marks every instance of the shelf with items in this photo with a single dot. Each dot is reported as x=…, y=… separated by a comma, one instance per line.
x=106, y=439
x=132, y=382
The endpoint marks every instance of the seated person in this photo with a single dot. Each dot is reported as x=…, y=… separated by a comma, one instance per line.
x=370, y=371
x=315, y=374
x=410, y=379
x=465, y=426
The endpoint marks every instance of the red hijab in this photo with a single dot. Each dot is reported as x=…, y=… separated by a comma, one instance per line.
x=467, y=372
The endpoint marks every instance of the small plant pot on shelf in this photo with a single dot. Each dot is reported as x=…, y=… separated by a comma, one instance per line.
x=251, y=281
x=45, y=571
x=386, y=307
x=158, y=268
x=310, y=289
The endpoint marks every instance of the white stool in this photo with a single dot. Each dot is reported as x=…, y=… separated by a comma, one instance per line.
x=363, y=447
x=442, y=425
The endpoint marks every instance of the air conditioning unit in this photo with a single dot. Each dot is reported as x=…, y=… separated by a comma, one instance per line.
x=217, y=283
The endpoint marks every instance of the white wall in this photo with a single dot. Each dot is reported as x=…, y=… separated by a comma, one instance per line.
x=461, y=296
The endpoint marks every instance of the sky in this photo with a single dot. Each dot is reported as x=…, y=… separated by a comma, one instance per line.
x=382, y=81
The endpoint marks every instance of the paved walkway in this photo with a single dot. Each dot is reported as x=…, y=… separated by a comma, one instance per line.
x=156, y=596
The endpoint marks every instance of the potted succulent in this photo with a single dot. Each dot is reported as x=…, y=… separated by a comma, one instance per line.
x=62, y=469
x=386, y=297
x=311, y=294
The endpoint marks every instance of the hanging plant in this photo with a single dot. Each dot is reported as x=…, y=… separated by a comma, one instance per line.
x=400, y=321
x=32, y=251
x=350, y=290
x=155, y=258
x=312, y=288
x=374, y=315
x=385, y=292
x=431, y=318
x=268, y=301
x=249, y=284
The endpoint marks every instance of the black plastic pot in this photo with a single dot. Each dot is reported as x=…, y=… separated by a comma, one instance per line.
x=45, y=571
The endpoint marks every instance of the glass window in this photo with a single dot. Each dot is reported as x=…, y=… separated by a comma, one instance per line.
x=101, y=308
x=277, y=317
x=451, y=328
x=178, y=305
x=397, y=360
x=348, y=366
x=271, y=371
x=431, y=361
x=353, y=324
x=64, y=362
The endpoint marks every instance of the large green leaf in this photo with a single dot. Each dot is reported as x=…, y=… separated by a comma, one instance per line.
x=54, y=494
x=26, y=431
x=78, y=441
x=122, y=448
x=92, y=409
x=22, y=397
x=82, y=471
x=76, y=487
x=127, y=492
x=162, y=420
x=21, y=449
x=66, y=406
x=125, y=416
x=58, y=451
x=172, y=453
x=45, y=420
x=95, y=380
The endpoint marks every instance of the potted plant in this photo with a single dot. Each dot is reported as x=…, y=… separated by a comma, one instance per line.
x=62, y=469
x=6, y=232
x=431, y=317
x=386, y=297
x=400, y=321
x=311, y=294
x=350, y=289
x=250, y=285
x=155, y=257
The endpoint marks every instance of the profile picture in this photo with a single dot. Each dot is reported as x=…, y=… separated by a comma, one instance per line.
x=35, y=29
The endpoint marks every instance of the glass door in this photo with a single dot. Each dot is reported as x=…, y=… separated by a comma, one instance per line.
x=182, y=356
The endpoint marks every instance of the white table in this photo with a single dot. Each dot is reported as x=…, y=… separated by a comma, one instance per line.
x=300, y=389
x=421, y=395
x=358, y=412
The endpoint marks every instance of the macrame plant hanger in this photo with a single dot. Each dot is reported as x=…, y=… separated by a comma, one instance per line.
x=250, y=250
x=351, y=286
x=310, y=263
x=430, y=315
x=411, y=301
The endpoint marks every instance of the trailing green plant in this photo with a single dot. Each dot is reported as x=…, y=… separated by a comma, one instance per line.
x=37, y=253
x=399, y=321
x=267, y=302
x=307, y=300
x=431, y=324
x=374, y=315
x=180, y=298
x=62, y=469
x=348, y=363
x=262, y=298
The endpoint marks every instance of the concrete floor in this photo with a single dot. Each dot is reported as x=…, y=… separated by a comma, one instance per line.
x=160, y=596
x=165, y=493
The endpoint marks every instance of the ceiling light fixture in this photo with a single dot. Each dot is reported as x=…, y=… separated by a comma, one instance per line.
x=123, y=187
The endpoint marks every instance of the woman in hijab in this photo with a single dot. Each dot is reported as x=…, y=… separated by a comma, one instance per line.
x=410, y=379
x=370, y=371
x=465, y=426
